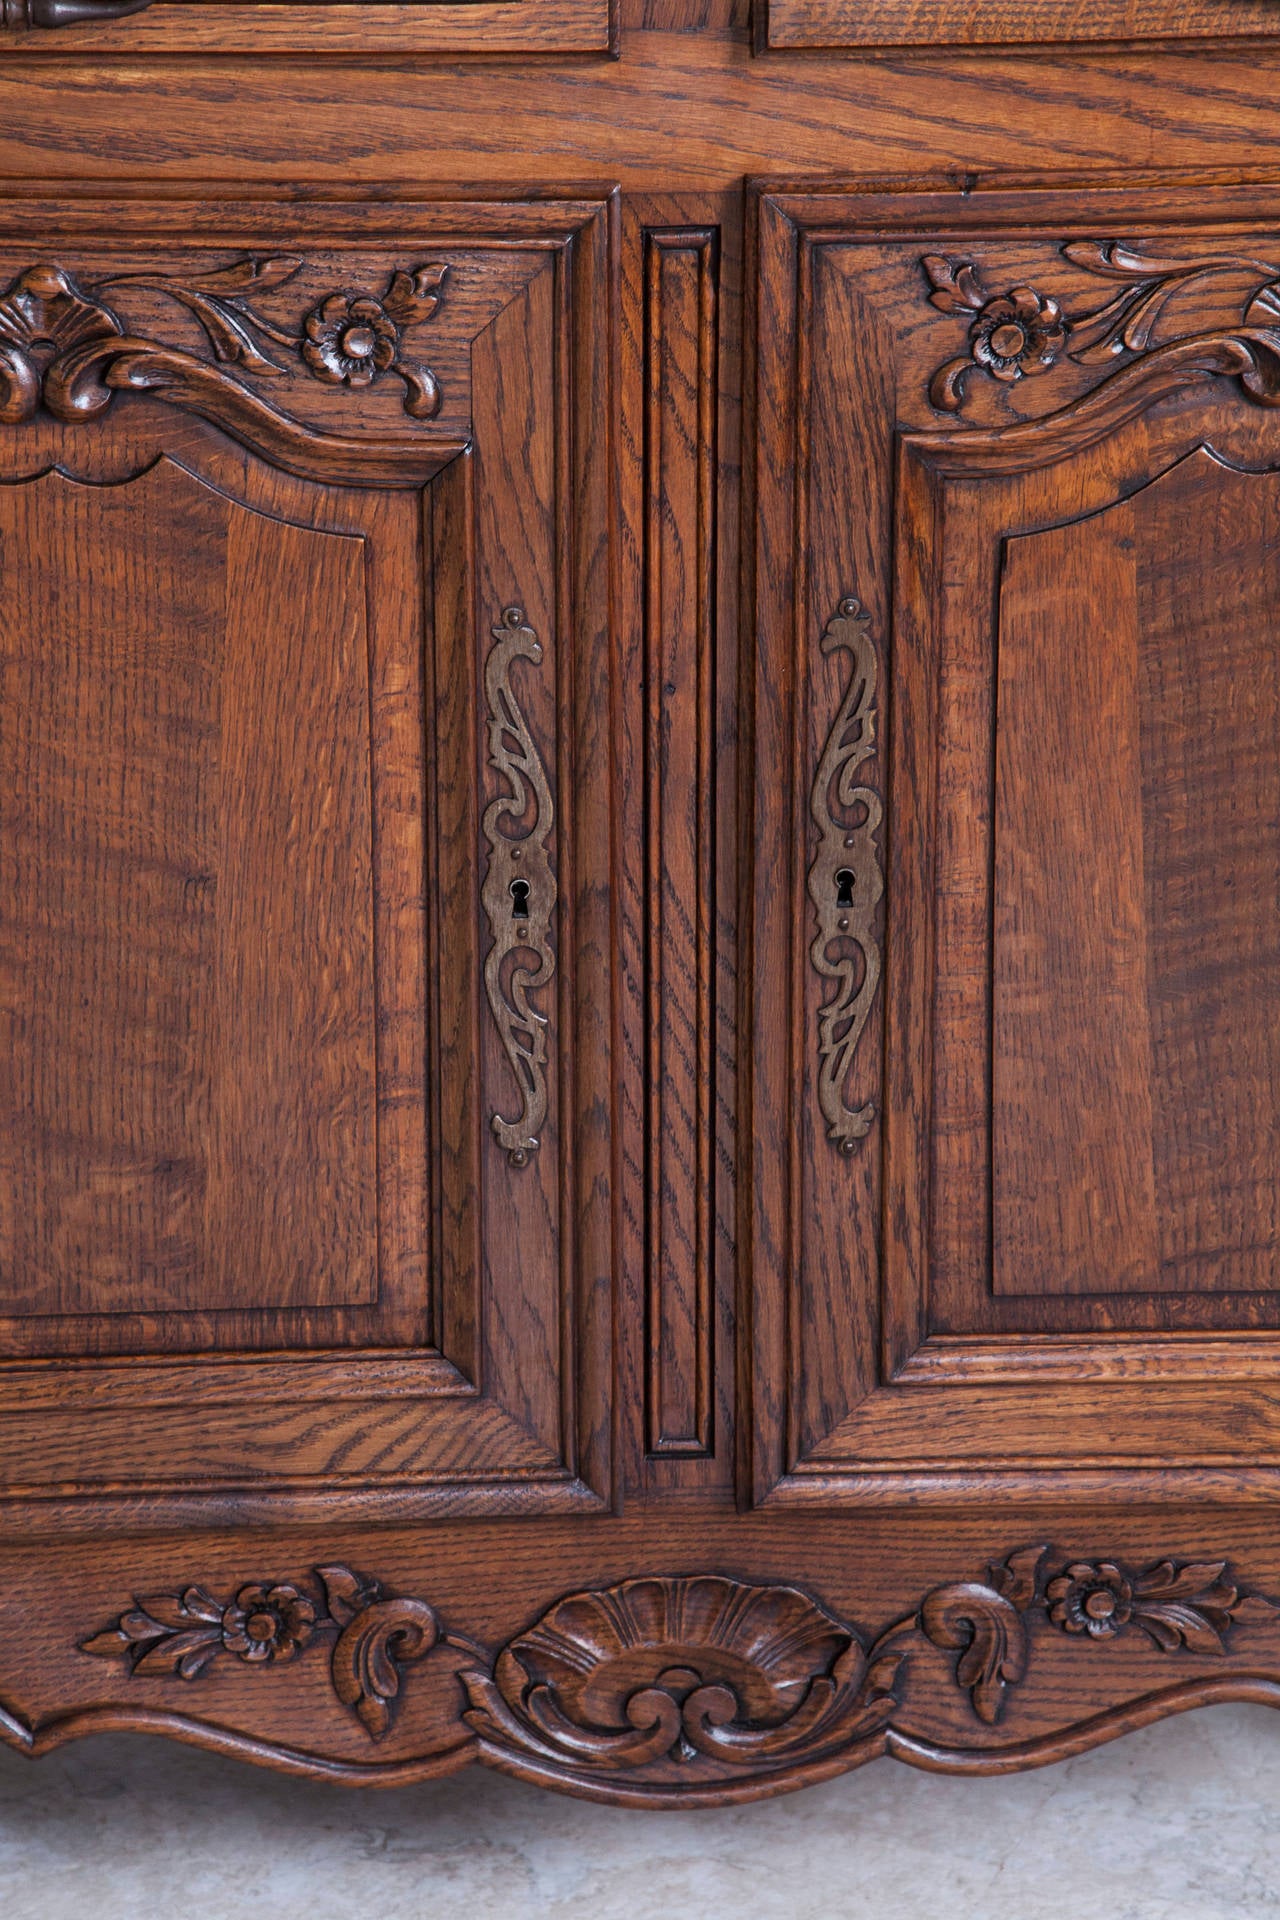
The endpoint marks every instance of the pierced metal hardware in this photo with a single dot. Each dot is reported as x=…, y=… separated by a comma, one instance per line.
x=845, y=880
x=519, y=893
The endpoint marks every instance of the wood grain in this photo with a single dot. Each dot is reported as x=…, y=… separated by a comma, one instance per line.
x=188, y=1090
x=437, y=27
x=1155, y=958
x=689, y=1406
x=681, y=326
x=830, y=24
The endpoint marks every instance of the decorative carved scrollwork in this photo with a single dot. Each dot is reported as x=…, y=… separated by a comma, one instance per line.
x=519, y=893
x=1187, y=1605
x=659, y=1671
x=845, y=878
x=679, y=1681
x=64, y=347
x=267, y=1624
x=1022, y=333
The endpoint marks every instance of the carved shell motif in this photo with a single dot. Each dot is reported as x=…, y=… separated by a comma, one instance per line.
x=692, y=1673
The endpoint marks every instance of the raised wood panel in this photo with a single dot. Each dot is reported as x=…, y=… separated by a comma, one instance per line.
x=266, y=1110
x=202, y=27
x=832, y=24
x=1135, y=897
x=188, y=1100
x=1066, y=960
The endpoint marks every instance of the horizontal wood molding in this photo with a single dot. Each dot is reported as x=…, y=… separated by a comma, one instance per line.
x=965, y=1663
x=446, y=28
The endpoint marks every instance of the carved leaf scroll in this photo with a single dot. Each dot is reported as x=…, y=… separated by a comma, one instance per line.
x=1188, y=1606
x=845, y=878
x=70, y=349
x=519, y=892
x=1023, y=332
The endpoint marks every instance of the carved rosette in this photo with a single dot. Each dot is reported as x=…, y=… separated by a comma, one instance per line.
x=519, y=892
x=667, y=1683
x=1023, y=332
x=845, y=878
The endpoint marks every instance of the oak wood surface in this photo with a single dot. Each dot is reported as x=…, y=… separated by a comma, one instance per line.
x=188, y=1115
x=832, y=24
x=698, y=1453
x=212, y=28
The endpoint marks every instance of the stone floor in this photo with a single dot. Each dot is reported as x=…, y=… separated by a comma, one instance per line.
x=1180, y=1822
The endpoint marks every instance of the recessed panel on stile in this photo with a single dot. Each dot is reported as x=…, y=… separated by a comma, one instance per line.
x=187, y=1037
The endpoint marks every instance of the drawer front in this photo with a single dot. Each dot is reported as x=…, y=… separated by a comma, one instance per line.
x=833, y=24
x=117, y=28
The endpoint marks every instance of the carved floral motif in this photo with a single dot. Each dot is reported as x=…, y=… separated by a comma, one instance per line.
x=672, y=1678
x=1012, y=336
x=845, y=878
x=1177, y=1606
x=373, y=1635
x=1023, y=332
x=519, y=892
x=1093, y=1600
x=268, y=1623
x=349, y=342
x=65, y=347
x=1187, y=1606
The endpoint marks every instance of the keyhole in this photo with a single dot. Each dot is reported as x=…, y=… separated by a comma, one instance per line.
x=520, y=899
x=844, y=887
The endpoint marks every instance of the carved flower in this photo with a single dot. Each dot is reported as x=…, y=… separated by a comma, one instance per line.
x=268, y=1623
x=1019, y=333
x=348, y=340
x=1097, y=1600
x=1011, y=334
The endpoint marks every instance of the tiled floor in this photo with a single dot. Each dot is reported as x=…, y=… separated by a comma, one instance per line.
x=1180, y=1822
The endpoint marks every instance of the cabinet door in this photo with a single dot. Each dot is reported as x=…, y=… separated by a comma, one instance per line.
x=305, y=987
x=1016, y=1117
